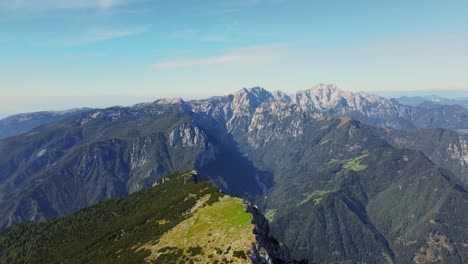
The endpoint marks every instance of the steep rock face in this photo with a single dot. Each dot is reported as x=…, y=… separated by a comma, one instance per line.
x=187, y=135
x=267, y=250
x=276, y=120
x=233, y=112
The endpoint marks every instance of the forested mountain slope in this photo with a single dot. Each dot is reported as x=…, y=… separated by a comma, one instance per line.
x=446, y=148
x=178, y=220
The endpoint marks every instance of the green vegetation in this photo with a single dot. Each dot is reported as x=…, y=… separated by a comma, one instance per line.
x=242, y=254
x=387, y=258
x=104, y=157
x=381, y=194
x=135, y=228
x=355, y=164
x=270, y=215
x=316, y=196
x=108, y=153
x=223, y=227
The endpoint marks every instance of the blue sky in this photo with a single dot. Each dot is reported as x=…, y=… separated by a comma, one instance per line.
x=58, y=54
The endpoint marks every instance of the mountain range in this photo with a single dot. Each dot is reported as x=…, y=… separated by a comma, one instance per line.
x=341, y=176
x=417, y=100
x=322, y=98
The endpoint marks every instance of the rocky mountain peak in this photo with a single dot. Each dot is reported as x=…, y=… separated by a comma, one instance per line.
x=254, y=95
x=328, y=98
x=161, y=105
x=160, y=102
x=326, y=87
x=280, y=96
x=246, y=100
x=321, y=97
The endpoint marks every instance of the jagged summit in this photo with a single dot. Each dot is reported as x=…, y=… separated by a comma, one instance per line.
x=325, y=86
x=254, y=94
x=257, y=90
x=321, y=99
x=280, y=96
x=324, y=97
x=162, y=101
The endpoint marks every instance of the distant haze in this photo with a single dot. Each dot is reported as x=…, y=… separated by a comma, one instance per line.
x=3, y=115
x=449, y=94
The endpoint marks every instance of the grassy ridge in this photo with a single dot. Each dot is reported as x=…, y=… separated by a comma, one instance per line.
x=113, y=231
x=210, y=235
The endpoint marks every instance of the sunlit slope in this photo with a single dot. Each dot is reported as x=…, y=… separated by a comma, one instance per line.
x=176, y=221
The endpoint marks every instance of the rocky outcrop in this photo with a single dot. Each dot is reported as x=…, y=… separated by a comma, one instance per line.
x=233, y=112
x=187, y=135
x=266, y=250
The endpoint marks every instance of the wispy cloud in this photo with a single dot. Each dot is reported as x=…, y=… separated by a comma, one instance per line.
x=107, y=35
x=252, y=55
x=98, y=36
x=59, y=4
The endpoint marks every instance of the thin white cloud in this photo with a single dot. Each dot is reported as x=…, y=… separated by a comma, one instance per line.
x=98, y=36
x=58, y=4
x=107, y=35
x=253, y=55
